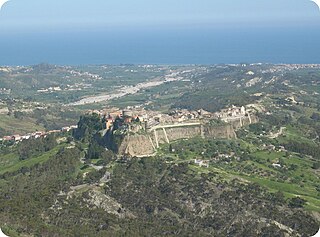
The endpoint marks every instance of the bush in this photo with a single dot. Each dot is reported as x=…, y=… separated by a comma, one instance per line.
x=297, y=202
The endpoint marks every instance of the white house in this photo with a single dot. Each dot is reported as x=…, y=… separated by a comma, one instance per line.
x=202, y=163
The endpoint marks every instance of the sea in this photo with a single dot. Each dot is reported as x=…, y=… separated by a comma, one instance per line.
x=278, y=44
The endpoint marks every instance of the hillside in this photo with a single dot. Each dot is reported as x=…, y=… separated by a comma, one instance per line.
x=211, y=177
x=78, y=188
x=54, y=198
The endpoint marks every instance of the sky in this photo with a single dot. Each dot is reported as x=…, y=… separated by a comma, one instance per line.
x=28, y=15
x=159, y=31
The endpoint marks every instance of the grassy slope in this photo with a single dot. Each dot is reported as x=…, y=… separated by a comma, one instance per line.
x=12, y=125
x=304, y=188
x=11, y=162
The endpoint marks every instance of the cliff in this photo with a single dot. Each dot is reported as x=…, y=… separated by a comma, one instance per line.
x=136, y=145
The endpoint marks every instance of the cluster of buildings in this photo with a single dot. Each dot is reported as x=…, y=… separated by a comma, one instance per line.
x=271, y=147
x=18, y=138
x=5, y=91
x=226, y=115
x=75, y=87
x=122, y=117
x=232, y=113
x=138, y=120
x=35, y=135
x=75, y=73
x=50, y=89
x=289, y=67
x=147, y=119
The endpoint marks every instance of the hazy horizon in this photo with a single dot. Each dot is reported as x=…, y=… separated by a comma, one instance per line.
x=159, y=32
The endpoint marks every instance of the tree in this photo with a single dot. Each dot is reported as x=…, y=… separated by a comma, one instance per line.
x=297, y=202
x=94, y=150
x=315, y=116
x=316, y=165
x=34, y=147
x=278, y=197
x=88, y=126
x=18, y=115
x=170, y=148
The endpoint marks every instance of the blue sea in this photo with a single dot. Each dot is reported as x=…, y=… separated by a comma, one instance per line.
x=162, y=46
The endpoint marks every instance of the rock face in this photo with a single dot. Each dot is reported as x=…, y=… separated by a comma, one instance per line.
x=107, y=203
x=136, y=145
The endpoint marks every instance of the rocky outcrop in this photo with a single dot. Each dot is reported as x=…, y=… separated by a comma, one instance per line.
x=94, y=197
x=110, y=205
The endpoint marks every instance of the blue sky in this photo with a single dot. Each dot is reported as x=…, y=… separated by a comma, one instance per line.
x=80, y=14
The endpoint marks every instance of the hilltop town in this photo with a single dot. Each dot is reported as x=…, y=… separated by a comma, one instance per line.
x=152, y=128
x=155, y=118
x=142, y=131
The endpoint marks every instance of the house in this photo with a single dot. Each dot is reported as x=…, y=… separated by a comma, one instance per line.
x=270, y=147
x=26, y=137
x=276, y=165
x=109, y=123
x=65, y=129
x=38, y=134
x=127, y=120
x=282, y=149
x=143, y=117
x=17, y=138
x=8, y=138
x=202, y=163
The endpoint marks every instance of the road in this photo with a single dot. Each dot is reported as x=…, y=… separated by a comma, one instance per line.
x=174, y=125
